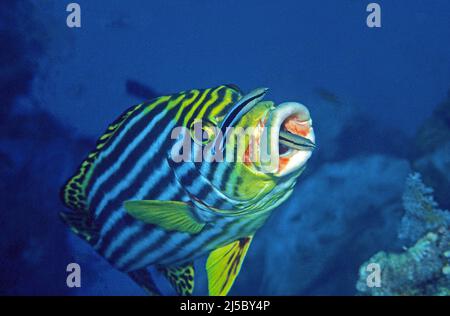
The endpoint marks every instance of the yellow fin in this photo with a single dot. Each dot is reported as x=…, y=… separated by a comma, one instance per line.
x=170, y=215
x=181, y=278
x=223, y=266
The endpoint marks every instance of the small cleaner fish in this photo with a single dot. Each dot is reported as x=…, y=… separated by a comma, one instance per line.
x=139, y=208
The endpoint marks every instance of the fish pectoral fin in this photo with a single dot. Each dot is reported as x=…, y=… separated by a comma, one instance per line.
x=170, y=215
x=181, y=278
x=223, y=266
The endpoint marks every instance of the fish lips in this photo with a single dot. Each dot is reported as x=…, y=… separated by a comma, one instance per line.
x=300, y=145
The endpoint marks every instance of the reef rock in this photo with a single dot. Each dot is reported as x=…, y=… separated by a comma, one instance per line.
x=336, y=218
x=436, y=130
x=432, y=153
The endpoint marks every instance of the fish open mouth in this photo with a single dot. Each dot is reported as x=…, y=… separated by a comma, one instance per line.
x=284, y=138
x=293, y=134
x=290, y=139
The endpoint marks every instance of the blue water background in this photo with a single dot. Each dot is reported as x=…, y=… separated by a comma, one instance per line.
x=368, y=89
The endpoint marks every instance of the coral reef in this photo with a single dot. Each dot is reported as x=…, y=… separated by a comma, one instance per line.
x=424, y=267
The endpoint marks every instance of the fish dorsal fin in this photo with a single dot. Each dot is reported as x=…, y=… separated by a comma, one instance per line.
x=181, y=278
x=223, y=265
x=234, y=87
x=73, y=193
x=170, y=215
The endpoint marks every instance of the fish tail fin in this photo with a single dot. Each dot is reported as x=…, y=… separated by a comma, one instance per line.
x=144, y=279
x=81, y=225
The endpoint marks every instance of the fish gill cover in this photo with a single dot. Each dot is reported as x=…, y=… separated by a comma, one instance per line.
x=358, y=202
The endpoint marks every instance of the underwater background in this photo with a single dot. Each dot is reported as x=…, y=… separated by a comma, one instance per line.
x=377, y=189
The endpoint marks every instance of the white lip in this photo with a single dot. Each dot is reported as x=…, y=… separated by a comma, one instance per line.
x=270, y=161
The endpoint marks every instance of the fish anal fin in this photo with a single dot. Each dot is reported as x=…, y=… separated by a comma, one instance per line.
x=223, y=265
x=170, y=215
x=144, y=279
x=181, y=277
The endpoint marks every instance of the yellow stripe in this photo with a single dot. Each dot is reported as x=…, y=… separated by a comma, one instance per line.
x=195, y=106
x=84, y=173
x=157, y=102
x=212, y=100
x=186, y=103
x=172, y=104
x=226, y=100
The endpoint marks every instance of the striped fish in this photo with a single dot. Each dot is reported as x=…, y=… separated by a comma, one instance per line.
x=138, y=207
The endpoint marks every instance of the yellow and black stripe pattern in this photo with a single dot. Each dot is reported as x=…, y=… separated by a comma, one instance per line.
x=73, y=192
x=130, y=163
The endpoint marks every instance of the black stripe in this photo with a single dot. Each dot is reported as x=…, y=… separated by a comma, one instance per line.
x=125, y=168
x=144, y=232
x=134, y=187
x=226, y=177
x=109, y=160
x=135, y=155
x=159, y=242
x=200, y=106
x=234, y=112
x=168, y=258
x=124, y=196
x=122, y=250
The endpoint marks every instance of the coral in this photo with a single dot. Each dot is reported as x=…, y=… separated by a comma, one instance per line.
x=424, y=267
x=422, y=213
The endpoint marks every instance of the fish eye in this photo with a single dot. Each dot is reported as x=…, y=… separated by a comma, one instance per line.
x=202, y=132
